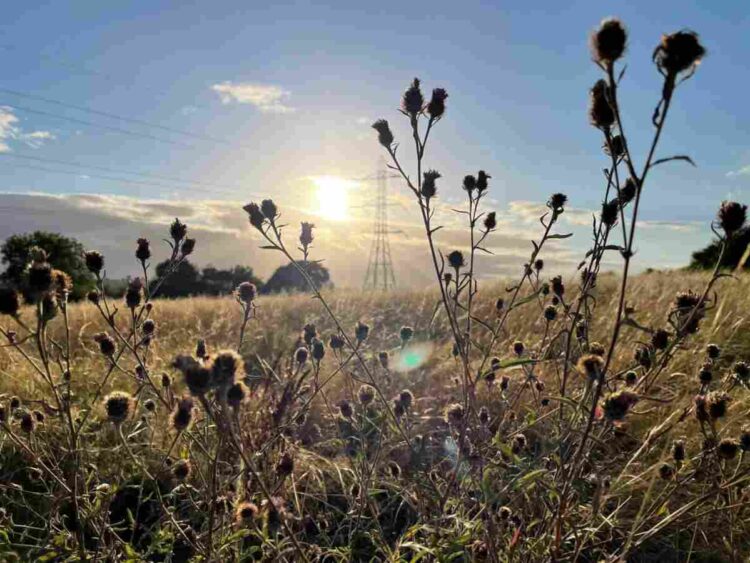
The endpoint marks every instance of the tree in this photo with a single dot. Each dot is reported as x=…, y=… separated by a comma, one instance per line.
x=63, y=253
x=706, y=258
x=187, y=280
x=184, y=281
x=287, y=278
x=215, y=281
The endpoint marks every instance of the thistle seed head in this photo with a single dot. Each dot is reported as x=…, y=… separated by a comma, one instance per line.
x=385, y=136
x=436, y=107
x=118, y=406
x=678, y=52
x=608, y=41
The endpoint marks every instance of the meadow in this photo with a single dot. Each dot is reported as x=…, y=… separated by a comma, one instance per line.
x=587, y=416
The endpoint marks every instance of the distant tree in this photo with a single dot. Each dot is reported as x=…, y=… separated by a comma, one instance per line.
x=215, y=281
x=64, y=253
x=706, y=258
x=184, y=281
x=287, y=278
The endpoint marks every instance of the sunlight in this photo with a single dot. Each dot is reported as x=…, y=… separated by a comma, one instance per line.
x=332, y=193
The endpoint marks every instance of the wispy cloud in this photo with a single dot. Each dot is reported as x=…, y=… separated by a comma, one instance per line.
x=744, y=171
x=10, y=130
x=268, y=98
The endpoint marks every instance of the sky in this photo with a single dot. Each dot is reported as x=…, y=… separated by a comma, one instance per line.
x=278, y=99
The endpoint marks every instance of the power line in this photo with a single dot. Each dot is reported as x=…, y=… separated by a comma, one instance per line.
x=116, y=170
x=100, y=126
x=115, y=116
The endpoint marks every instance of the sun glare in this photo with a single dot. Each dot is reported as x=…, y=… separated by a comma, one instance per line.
x=333, y=197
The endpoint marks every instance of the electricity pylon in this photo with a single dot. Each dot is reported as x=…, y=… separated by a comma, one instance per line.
x=380, y=274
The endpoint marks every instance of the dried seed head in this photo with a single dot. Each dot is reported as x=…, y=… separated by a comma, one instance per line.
x=429, y=189
x=93, y=296
x=678, y=52
x=610, y=213
x=10, y=301
x=118, y=406
x=627, y=192
x=306, y=235
x=504, y=513
x=644, y=357
x=557, y=202
x=616, y=147
x=182, y=417
x=590, y=365
x=384, y=359
x=518, y=348
x=246, y=292
x=309, y=333
x=538, y=264
x=94, y=261
x=732, y=216
x=436, y=107
x=106, y=343
x=406, y=398
x=666, y=471
x=616, y=405
x=197, y=379
x=3, y=414
x=406, y=333
x=504, y=382
x=255, y=215
x=456, y=259
x=227, y=367
x=237, y=394
x=490, y=221
x=166, y=381
x=245, y=513
x=300, y=356
x=717, y=402
x=394, y=469
x=398, y=408
x=318, y=350
x=745, y=438
x=40, y=278
x=269, y=209
x=482, y=181
x=385, y=136
x=499, y=304
x=134, y=293
x=148, y=327
x=728, y=448
x=177, y=230
x=200, y=349
x=470, y=183
x=597, y=348
x=143, y=249
x=601, y=114
x=608, y=42
x=660, y=339
x=28, y=422
x=484, y=416
x=741, y=371
x=705, y=375
x=366, y=394
x=700, y=406
x=713, y=351
x=181, y=469
x=412, y=101
x=285, y=466
x=454, y=414
x=558, y=288
x=149, y=405
x=361, y=331
x=336, y=342
x=518, y=443
x=345, y=407
x=550, y=313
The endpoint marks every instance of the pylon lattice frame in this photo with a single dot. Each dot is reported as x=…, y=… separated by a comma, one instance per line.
x=380, y=275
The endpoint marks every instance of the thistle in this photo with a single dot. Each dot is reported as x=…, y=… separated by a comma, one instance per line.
x=118, y=406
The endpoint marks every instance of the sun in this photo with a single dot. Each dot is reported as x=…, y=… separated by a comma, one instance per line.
x=333, y=197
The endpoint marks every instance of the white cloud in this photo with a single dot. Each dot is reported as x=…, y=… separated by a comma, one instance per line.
x=10, y=130
x=744, y=171
x=268, y=98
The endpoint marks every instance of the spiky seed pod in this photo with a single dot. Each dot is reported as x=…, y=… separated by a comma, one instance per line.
x=246, y=292
x=700, y=406
x=504, y=383
x=627, y=192
x=345, y=407
x=406, y=398
x=106, y=344
x=732, y=216
x=187, y=247
x=496, y=363
x=301, y=355
x=499, y=304
x=366, y=394
x=336, y=342
x=318, y=350
x=616, y=147
x=237, y=394
x=285, y=466
x=741, y=371
x=15, y=403
x=182, y=417
x=177, y=230
x=544, y=402
x=591, y=365
x=550, y=313
x=745, y=438
x=705, y=375
x=470, y=183
x=490, y=221
x=518, y=443
x=454, y=414
x=713, y=351
x=134, y=293
x=412, y=101
x=608, y=41
x=93, y=296
x=181, y=469
x=728, y=448
x=306, y=234
x=143, y=250
x=384, y=359
x=40, y=278
x=631, y=378
x=166, y=381
x=538, y=264
x=660, y=339
x=456, y=259
x=149, y=405
x=405, y=334
x=643, y=356
x=309, y=333
x=483, y=181
x=539, y=385
x=678, y=52
x=484, y=416
x=49, y=307
x=428, y=188
x=361, y=331
x=28, y=423
x=118, y=406
x=148, y=327
x=255, y=215
x=436, y=107
x=62, y=283
x=269, y=209
x=94, y=261
x=398, y=408
x=198, y=379
x=678, y=450
x=717, y=402
x=610, y=213
x=557, y=202
x=601, y=114
x=666, y=471
x=385, y=136
x=245, y=513
x=518, y=348
x=227, y=367
x=616, y=405
x=558, y=287
x=3, y=414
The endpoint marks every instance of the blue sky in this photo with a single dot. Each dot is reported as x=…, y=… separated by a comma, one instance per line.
x=319, y=72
